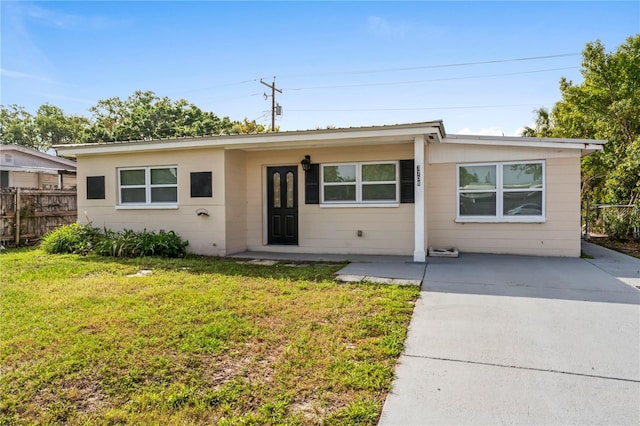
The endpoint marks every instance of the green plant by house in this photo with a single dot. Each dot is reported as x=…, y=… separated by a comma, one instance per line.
x=73, y=238
x=84, y=239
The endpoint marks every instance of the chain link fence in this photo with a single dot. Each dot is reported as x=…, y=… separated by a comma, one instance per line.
x=616, y=221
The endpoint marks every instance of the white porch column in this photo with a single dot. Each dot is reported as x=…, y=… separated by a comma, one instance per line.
x=419, y=254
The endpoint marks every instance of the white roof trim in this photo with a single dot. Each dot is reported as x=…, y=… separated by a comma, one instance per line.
x=588, y=145
x=45, y=170
x=399, y=133
x=392, y=134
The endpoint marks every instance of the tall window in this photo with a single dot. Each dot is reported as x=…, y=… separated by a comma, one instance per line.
x=360, y=183
x=509, y=192
x=148, y=185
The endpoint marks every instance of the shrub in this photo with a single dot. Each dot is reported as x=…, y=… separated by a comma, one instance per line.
x=635, y=224
x=81, y=239
x=138, y=244
x=73, y=238
x=619, y=224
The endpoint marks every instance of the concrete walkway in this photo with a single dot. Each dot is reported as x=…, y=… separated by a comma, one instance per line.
x=522, y=340
x=319, y=257
x=405, y=273
x=623, y=267
x=399, y=270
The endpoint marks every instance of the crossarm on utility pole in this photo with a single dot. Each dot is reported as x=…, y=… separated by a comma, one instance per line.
x=273, y=101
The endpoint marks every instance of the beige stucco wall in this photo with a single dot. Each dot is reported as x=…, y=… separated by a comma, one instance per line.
x=387, y=230
x=559, y=235
x=206, y=234
x=236, y=201
x=237, y=210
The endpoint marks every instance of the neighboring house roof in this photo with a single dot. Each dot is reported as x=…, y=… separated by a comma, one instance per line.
x=433, y=131
x=21, y=158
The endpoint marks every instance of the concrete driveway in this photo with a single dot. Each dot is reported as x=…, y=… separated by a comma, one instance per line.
x=522, y=340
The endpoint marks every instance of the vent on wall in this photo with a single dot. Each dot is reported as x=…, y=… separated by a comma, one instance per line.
x=8, y=158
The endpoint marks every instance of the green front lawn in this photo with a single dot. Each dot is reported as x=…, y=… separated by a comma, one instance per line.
x=198, y=341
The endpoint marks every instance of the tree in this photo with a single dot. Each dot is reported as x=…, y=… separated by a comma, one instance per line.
x=606, y=105
x=54, y=127
x=48, y=127
x=543, y=126
x=144, y=115
x=17, y=126
x=247, y=126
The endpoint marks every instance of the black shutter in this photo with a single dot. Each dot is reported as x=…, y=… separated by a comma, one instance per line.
x=95, y=187
x=201, y=184
x=407, y=181
x=312, y=185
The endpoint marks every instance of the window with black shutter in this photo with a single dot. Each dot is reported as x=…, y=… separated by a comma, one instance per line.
x=312, y=185
x=95, y=187
x=201, y=184
x=407, y=181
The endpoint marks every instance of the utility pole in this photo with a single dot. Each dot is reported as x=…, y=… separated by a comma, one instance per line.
x=273, y=101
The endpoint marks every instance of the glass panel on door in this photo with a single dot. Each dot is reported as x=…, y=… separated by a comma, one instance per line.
x=289, y=190
x=277, y=203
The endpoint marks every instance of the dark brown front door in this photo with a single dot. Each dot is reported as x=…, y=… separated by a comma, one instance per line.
x=282, y=199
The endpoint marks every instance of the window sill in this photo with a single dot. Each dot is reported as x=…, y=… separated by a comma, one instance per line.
x=147, y=207
x=357, y=205
x=501, y=220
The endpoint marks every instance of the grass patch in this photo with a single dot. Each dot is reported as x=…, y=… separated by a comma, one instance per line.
x=198, y=341
x=584, y=255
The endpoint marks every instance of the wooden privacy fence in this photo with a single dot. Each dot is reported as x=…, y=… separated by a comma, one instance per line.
x=28, y=214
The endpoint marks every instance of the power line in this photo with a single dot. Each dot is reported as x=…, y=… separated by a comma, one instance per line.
x=415, y=109
x=382, y=70
x=217, y=86
x=461, y=64
x=396, y=83
x=264, y=115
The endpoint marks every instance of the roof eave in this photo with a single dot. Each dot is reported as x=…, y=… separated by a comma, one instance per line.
x=280, y=140
x=45, y=170
x=36, y=153
x=586, y=146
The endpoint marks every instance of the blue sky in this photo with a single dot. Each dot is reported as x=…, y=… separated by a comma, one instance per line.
x=338, y=63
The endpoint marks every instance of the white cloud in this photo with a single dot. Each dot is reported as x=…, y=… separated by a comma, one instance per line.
x=382, y=27
x=519, y=131
x=69, y=98
x=379, y=26
x=62, y=20
x=18, y=74
x=489, y=131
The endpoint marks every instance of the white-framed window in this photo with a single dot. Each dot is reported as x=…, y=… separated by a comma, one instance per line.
x=360, y=183
x=501, y=192
x=148, y=186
